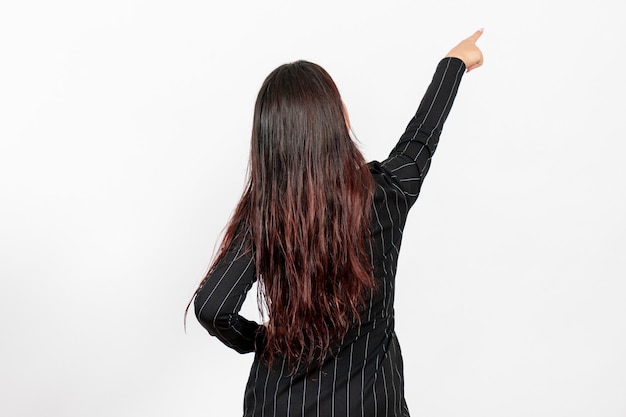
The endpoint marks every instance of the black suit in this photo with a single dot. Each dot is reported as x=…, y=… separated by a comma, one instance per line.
x=366, y=378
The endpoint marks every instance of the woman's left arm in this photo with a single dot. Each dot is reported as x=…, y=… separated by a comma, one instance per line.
x=218, y=302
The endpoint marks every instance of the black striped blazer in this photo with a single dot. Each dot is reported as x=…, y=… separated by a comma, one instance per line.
x=366, y=376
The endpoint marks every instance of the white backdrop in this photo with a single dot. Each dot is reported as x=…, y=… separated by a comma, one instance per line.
x=124, y=142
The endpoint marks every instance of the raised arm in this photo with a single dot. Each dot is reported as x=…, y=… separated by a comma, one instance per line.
x=409, y=161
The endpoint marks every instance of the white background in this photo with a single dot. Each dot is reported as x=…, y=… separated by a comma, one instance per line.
x=124, y=129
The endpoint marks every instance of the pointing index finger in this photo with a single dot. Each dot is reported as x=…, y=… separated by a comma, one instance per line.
x=477, y=34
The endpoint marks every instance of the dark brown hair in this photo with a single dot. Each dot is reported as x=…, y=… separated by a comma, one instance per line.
x=306, y=209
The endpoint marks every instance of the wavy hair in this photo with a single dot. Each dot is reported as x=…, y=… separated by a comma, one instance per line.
x=306, y=210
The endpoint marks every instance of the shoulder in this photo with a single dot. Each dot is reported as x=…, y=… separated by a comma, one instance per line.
x=385, y=178
x=388, y=193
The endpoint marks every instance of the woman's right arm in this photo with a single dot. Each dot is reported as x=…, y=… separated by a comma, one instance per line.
x=409, y=161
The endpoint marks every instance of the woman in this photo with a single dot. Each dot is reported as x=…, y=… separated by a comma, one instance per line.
x=321, y=230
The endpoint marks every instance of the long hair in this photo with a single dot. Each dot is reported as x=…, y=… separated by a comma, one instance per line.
x=306, y=211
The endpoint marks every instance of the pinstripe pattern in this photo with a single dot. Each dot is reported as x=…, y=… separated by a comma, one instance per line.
x=366, y=376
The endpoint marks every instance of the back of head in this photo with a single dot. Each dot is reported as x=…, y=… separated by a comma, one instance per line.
x=299, y=119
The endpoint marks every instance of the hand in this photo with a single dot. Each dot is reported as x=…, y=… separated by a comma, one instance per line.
x=468, y=52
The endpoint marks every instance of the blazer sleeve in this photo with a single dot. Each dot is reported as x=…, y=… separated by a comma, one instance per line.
x=220, y=298
x=409, y=161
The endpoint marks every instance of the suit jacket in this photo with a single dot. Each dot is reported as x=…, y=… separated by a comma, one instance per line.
x=365, y=378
